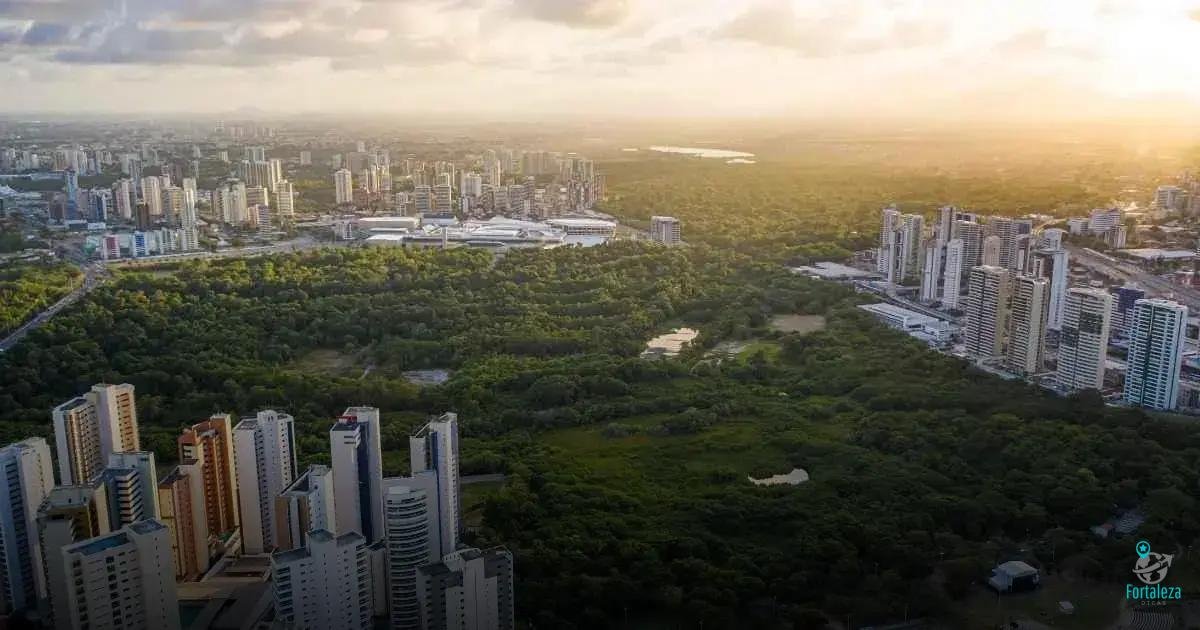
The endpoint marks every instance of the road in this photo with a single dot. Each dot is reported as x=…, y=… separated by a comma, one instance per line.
x=93, y=276
x=95, y=273
x=1120, y=271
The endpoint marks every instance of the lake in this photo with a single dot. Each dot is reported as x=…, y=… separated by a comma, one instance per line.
x=794, y=478
x=721, y=154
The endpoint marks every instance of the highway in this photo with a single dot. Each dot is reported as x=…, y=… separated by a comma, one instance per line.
x=95, y=273
x=1120, y=271
x=93, y=276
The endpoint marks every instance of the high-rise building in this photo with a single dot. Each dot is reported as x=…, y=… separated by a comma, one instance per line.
x=899, y=257
x=987, y=311
x=69, y=514
x=1102, y=220
x=124, y=579
x=945, y=224
x=325, y=584
x=306, y=505
x=971, y=234
x=343, y=183
x=182, y=503
x=1052, y=239
x=423, y=199
x=90, y=428
x=173, y=202
x=1156, y=339
x=665, y=230
x=285, y=200
x=472, y=185
x=422, y=515
x=1053, y=265
x=1169, y=198
x=152, y=195
x=306, y=158
x=274, y=173
x=1006, y=230
x=1124, y=299
x=932, y=273
x=265, y=456
x=1083, y=342
x=131, y=483
x=952, y=278
x=26, y=480
x=442, y=203
x=1029, y=302
x=435, y=448
x=123, y=198
x=210, y=443
x=77, y=440
x=413, y=540
x=257, y=196
x=469, y=589
x=357, y=462
x=991, y=251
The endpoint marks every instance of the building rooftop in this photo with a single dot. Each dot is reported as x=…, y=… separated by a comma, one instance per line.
x=99, y=544
x=146, y=527
x=1151, y=253
x=74, y=403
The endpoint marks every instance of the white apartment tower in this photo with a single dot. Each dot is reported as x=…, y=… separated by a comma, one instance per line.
x=90, y=428
x=987, y=311
x=468, y=590
x=343, y=183
x=125, y=579
x=971, y=234
x=265, y=460
x=1052, y=264
x=932, y=272
x=435, y=448
x=665, y=230
x=1027, y=325
x=152, y=195
x=1083, y=342
x=887, y=229
x=1156, y=339
x=306, y=505
x=26, y=480
x=326, y=584
x=952, y=279
x=991, y=251
x=285, y=199
x=356, y=458
x=132, y=487
x=413, y=541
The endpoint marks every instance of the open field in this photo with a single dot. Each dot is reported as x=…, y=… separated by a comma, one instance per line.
x=329, y=362
x=1097, y=605
x=802, y=324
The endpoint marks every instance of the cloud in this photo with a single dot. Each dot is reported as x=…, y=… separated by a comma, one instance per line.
x=46, y=34
x=1040, y=43
x=580, y=13
x=841, y=29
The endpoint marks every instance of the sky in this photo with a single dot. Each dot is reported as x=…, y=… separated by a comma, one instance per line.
x=1039, y=59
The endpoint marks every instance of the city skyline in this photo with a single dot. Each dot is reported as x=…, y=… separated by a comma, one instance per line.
x=622, y=58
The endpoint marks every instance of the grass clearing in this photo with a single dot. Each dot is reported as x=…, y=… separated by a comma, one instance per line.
x=803, y=324
x=331, y=362
x=1097, y=605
